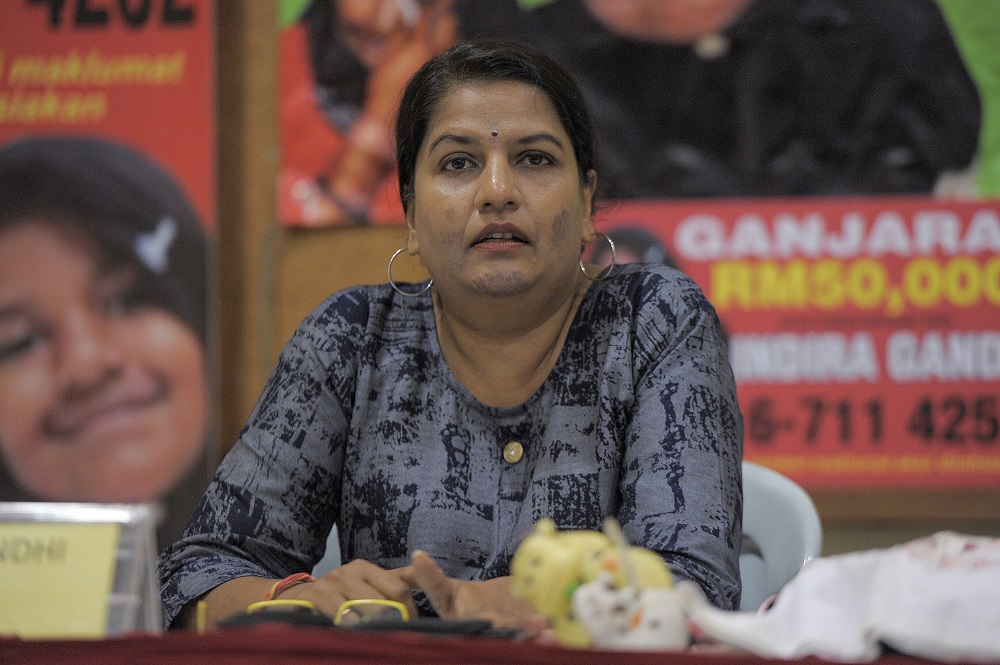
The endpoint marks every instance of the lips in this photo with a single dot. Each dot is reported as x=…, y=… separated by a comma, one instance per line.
x=500, y=233
x=117, y=405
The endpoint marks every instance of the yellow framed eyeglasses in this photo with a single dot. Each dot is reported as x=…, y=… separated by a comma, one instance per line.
x=365, y=609
x=281, y=603
x=349, y=613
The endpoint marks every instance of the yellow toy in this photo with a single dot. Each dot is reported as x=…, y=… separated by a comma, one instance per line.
x=550, y=565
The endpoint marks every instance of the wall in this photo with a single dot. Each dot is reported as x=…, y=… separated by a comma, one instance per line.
x=269, y=278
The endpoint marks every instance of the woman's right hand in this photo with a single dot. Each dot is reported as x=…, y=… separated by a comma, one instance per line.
x=354, y=580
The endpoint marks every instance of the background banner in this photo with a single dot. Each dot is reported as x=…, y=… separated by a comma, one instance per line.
x=140, y=72
x=820, y=168
x=864, y=333
x=719, y=98
x=107, y=207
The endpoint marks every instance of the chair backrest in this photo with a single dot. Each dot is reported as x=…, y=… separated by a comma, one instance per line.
x=781, y=531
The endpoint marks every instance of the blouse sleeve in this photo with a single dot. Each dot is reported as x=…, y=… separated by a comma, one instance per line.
x=276, y=495
x=682, y=481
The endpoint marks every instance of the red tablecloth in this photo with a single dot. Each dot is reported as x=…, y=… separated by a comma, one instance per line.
x=281, y=645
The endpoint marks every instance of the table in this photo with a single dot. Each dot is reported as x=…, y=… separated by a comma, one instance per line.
x=278, y=644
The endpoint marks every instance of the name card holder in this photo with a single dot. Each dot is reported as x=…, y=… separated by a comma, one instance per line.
x=70, y=570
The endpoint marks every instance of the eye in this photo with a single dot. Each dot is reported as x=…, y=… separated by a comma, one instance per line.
x=457, y=163
x=535, y=158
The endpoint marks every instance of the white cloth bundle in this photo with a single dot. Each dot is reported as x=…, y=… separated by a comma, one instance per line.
x=936, y=597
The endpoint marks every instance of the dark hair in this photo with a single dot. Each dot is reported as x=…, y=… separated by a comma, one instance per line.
x=340, y=78
x=129, y=205
x=488, y=60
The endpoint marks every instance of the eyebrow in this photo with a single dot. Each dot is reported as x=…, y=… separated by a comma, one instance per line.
x=455, y=138
x=461, y=139
x=541, y=137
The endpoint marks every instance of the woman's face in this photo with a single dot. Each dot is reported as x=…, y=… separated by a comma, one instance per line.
x=101, y=399
x=498, y=206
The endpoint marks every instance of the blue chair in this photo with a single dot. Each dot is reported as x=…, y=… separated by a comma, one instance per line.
x=331, y=559
x=781, y=532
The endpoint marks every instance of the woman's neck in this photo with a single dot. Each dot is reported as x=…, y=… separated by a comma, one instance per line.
x=503, y=350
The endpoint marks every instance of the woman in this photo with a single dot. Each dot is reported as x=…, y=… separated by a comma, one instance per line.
x=519, y=383
x=103, y=385
x=343, y=68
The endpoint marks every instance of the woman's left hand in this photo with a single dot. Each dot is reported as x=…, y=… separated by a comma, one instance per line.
x=463, y=599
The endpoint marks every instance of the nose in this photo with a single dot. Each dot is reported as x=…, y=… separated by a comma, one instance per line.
x=498, y=186
x=88, y=352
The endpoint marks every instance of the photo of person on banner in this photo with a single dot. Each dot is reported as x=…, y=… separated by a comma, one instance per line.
x=103, y=373
x=343, y=67
x=748, y=98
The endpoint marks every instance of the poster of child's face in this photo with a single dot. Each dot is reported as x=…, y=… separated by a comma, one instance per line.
x=103, y=381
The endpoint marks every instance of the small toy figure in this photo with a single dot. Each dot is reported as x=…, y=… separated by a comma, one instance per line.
x=630, y=618
x=550, y=568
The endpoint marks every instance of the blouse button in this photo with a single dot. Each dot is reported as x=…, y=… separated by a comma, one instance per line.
x=513, y=452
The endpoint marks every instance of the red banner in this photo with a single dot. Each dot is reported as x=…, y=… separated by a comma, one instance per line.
x=141, y=72
x=107, y=206
x=864, y=333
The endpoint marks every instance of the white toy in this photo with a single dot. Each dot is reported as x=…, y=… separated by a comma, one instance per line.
x=631, y=618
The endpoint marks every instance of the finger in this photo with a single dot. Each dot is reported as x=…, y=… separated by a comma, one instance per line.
x=394, y=585
x=535, y=627
x=406, y=574
x=429, y=577
x=354, y=580
x=547, y=636
x=324, y=593
x=389, y=583
x=360, y=580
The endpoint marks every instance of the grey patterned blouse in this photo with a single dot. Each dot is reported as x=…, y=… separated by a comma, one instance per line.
x=362, y=425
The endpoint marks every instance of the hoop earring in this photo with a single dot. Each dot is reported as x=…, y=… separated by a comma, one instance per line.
x=395, y=286
x=605, y=272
